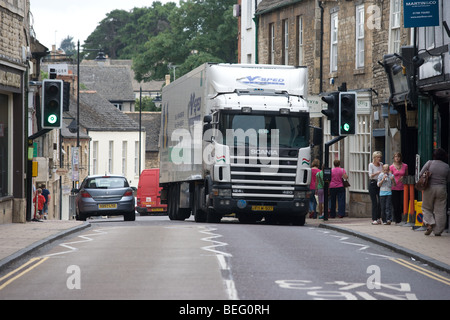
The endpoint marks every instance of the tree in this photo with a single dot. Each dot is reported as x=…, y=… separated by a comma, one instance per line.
x=205, y=28
x=148, y=104
x=68, y=46
x=107, y=34
x=122, y=34
x=195, y=32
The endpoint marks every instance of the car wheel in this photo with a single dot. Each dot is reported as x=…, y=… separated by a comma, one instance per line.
x=131, y=216
x=80, y=216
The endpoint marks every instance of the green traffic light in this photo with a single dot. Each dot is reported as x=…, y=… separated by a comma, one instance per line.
x=52, y=119
x=346, y=127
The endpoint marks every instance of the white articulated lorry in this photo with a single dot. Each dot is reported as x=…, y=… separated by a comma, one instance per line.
x=235, y=139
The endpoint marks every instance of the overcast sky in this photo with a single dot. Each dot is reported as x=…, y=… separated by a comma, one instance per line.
x=54, y=20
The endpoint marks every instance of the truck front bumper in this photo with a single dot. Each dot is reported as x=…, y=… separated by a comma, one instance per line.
x=227, y=205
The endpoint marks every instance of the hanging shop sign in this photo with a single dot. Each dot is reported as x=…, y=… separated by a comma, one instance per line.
x=421, y=13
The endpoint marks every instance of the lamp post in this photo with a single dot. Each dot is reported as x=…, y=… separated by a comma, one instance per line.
x=100, y=58
x=78, y=94
x=174, y=67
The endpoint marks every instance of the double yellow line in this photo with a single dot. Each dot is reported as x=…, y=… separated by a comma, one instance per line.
x=27, y=267
x=423, y=271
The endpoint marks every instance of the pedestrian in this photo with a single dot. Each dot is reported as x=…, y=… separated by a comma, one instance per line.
x=399, y=170
x=319, y=192
x=40, y=203
x=385, y=181
x=434, y=198
x=375, y=168
x=312, y=199
x=46, y=195
x=337, y=190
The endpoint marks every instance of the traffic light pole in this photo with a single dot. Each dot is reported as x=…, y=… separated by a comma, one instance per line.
x=327, y=174
x=341, y=112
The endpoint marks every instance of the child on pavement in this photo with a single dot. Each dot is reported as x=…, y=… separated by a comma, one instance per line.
x=39, y=202
x=319, y=191
x=385, y=181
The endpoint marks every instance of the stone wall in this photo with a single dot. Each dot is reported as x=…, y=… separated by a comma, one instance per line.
x=12, y=36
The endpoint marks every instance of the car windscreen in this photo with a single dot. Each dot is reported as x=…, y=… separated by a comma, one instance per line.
x=106, y=183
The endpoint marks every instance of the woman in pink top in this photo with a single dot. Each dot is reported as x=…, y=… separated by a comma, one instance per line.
x=312, y=199
x=337, y=190
x=399, y=170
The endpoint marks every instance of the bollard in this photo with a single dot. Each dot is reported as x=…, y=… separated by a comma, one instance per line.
x=405, y=201
x=411, y=212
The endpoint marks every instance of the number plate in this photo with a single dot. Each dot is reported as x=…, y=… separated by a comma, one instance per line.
x=262, y=208
x=156, y=209
x=108, y=206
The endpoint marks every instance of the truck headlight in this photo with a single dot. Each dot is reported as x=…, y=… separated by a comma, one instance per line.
x=224, y=192
x=221, y=192
x=301, y=194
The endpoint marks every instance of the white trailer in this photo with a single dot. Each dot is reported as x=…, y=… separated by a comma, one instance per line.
x=235, y=139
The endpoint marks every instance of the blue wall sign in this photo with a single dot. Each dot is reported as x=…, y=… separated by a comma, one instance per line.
x=421, y=13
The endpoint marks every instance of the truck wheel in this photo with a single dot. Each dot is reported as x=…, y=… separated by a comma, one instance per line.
x=174, y=211
x=170, y=203
x=299, y=220
x=212, y=216
x=197, y=211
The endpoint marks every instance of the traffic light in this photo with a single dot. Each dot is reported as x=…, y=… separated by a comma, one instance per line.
x=347, y=113
x=332, y=112
x=66, y=96
x=52, y=99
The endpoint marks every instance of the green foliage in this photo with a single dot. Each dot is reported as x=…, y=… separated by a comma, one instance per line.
x=187, y=35
x=147, y=105
x=68, y=45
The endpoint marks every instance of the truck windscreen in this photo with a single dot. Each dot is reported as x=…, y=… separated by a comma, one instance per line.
x=265, y=129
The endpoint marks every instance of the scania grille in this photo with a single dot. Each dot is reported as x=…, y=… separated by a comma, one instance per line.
x=263, y=177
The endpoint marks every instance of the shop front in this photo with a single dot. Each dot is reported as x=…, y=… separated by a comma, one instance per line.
x=12, y=155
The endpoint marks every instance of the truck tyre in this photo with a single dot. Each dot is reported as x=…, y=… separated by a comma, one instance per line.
x=299, y=220
x=174, y=211
x=184, y=213
x=197, y=210
x=211, y=215
x=171, y=210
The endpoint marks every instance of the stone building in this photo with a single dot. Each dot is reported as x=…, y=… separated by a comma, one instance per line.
x=16, y=47
x=341, y=43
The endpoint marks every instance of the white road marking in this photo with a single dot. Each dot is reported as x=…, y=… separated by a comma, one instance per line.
x=222, y=258
x=68, y=245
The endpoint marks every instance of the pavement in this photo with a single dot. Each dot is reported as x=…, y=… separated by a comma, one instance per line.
x=19, y=239
x=401, y=238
